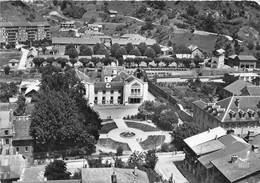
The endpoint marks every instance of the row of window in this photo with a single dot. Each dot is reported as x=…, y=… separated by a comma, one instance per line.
x=25, y=149
x=104, y=98
x=135, y=91
x=104, y=91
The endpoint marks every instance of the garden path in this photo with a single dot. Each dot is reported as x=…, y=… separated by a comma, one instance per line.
x=133, y=144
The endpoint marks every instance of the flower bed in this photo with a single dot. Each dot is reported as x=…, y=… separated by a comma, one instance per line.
x=108, y=127
x=110, y=143
x=152, y=141
x=141, y=126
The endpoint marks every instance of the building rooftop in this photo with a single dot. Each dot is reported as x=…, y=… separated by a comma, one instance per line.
x=236, y=108
x=77, y=41
x=23, y=24
x=82, y=76
x=246, y=58
x=205, y=136
x=246, y=164
x=252, y=90
x=22, y=128
x=111, y=85
x=5, y=119
x=92, y=175
x=207, y=147
x=237, y=86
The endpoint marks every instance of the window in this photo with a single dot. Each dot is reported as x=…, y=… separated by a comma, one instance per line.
x=96, y=92
x=119, y=91
x=104, y=91
x=26, y=149
x=6, y=132
x=111, y=91
x=96, y=98
x=6, y=141
x=17, y=149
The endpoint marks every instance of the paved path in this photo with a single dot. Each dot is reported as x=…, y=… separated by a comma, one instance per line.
x=120, y=123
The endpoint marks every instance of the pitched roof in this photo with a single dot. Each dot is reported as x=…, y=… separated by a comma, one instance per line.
x=230, y=149
x=237, y=86
x=246, y=58
x=205, y=136
x=93, y=175
x=253, y=90
x=112, y=85
x=23, y=24
x=82, y=76
x=22, y=128
x=207, y=147
x=246, y=164
x=108, y=70
x=13, y=61
x=76, y=41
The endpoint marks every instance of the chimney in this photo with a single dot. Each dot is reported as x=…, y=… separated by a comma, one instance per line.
x=113, y=178
x=255, y=148
x=237, y=102
x=233, y=158
x=135, y=171
x=250, y=133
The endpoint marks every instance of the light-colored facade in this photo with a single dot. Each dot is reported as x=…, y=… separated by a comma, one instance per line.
x=247, y=76
x=239, y=113
x=217, y=60
x=67, y=25
x=12, y=32
x=115, y=88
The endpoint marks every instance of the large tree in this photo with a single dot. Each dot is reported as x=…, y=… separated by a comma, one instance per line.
x=142, y=47
x=168, y=119
x=184, y=131
x=129, y=47
x=96, y=48
x=135, y=52
x=57, y=170
x=38, y=61
x=85, y=50
x=120, y=52
x=72, y=52
x=151, y=159
x=156, y=47
x=113, y=49
x=150, y=53
x=7, y=90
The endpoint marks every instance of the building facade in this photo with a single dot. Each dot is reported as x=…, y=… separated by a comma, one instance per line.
x=239, y=113
x=217, y=60
x=12, y=32
x=116, y=87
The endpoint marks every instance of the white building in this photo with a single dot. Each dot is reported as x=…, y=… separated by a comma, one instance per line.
x=247, y=76
x=217, y=60
x=115, y=87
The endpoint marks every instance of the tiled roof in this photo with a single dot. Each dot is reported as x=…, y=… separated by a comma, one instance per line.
x=103, y=175
x=23, y=24
x=82, y=76
x=253, y=90
x=205, y=136
x=246, y=58
x=114, y=85
x=22, y=128
x=231, y=149
x=77, y=41
x=135, y=41
x=237, y=86
x=246, y=164
x=13, y=61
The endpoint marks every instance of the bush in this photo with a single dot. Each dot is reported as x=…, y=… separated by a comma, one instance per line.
x=119, y=151
x=164, y=147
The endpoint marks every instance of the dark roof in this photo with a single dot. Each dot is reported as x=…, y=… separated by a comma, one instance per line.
x=130, y=79
x=77, y=41
x=108, y=70
x=227, y=139
x=228, y=150
x=50, y=181
x=82, y=76
x=22, y=128
x=246, y=164
x=113, y=85
x=23, y=24
x=246, y=58
x=103, y=175
x=122, y=75
x=230, y=103
x=237, y=86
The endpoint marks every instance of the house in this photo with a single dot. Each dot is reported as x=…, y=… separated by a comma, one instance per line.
x=246, y=61
x=112, y=13
x=22, y=142
x=113, y=175
x=114, y=87
x=183, y=56
x=251, y=90
x=218, y=57
x=196, y=52
x=239, y=113
x=67, y=25
x=213, y=156
x=13, y=63
x=246, y=76
x=60, y=43
x=95, y=27
x=135, y=39
x=235, y=88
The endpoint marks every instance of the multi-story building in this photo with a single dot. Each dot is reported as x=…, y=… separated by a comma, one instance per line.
x=218, y=57
x=114, y=87
x=67, y=25
x=246, y=76
x=216, y=157
x=12, y=32
x=239, y=113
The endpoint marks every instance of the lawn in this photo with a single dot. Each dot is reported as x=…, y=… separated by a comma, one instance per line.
x=152, y=141
x=141, y=126
x=110, y=143
x=6, y=56
x=108, y=127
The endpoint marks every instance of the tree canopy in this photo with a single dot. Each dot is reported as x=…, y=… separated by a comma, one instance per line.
x=156, y=47
x=120, y=52
x=135, y=52
x=7, y=90
x=85, y=50
x=57, y=170
x=150, y=53
x=129, y=47
x=114, y=48
x=142, y=47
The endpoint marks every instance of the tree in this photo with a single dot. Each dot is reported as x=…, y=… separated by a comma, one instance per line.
x=77, y=174
x=84, y=61
x=73, y=53
x=167, y=120
x=96, y=48
x=7, y=70
x=68, y=47
x=142, y=47
x=184, y=131
x=150, y=53
x=136, y=159
x=103, y=51
x=250, y=46
x=156, y=47
x=21, y=106
x=73, y=61
x=228, y=79
x=57, y=170
x=129, y=47
x=38, y=61
x=165, y=147
x=120, y=52
x=114, y=48
x=137, y=61
x=192, y=11
x=119, y=151
x=257, y=46
x=135, y=52
x=85, y=50
x=7, y=90
x=181, y=49
x=151, y=159
x=62, y=61
x=50, y=60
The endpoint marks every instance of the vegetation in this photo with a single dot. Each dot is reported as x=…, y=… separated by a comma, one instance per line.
x=21, y=106
x=57, y=170
x=141, y=126
x=110, y=143
x=8, y=90
x=108, y=127
x=152, y=141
